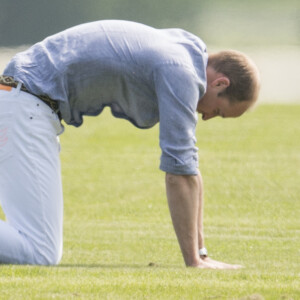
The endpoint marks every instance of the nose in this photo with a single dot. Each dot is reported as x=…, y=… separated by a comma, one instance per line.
x=206, y=117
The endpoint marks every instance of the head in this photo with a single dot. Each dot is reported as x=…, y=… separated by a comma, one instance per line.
x=232, y=85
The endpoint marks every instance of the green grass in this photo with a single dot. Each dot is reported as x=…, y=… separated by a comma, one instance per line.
x=117, y=219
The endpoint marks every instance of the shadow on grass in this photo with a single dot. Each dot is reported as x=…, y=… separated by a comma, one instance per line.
x=151, y=265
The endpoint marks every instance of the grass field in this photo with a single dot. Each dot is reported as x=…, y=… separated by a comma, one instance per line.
x=117, y=220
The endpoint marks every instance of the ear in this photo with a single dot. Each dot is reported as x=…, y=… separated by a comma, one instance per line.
x=222, y=82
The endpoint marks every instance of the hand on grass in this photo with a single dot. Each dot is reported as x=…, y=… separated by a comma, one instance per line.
x=208, y=263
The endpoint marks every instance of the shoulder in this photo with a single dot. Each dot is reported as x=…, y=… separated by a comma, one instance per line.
x=182, y=78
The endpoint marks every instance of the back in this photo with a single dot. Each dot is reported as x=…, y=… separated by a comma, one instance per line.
x=145, y=75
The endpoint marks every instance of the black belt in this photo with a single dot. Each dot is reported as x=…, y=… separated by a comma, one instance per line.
x=9, y=81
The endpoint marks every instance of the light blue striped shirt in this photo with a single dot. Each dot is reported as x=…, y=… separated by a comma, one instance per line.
x=145, y=75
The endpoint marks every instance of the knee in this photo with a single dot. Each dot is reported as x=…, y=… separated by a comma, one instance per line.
x=33, y=255
x=47, y=260
x=48, y=257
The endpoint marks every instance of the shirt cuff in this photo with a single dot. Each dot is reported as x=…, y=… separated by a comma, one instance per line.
x=171, y=165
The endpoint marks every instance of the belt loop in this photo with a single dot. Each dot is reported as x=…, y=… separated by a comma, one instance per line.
x=18, y=88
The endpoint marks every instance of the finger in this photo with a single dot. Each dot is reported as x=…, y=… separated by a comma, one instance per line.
x=221, y=265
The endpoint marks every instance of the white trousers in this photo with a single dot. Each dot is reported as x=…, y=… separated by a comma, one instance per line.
x=30, y=181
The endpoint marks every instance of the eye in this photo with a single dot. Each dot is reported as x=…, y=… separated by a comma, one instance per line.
x=217, y=112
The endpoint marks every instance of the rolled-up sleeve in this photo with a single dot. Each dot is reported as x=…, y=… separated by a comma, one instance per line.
x=178, y=92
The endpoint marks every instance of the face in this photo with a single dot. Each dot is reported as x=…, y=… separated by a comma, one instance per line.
x=211, y=105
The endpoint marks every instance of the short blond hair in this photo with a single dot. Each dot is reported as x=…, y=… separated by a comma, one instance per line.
x=242, y=73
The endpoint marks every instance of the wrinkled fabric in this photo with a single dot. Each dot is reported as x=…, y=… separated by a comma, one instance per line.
x=145, y=75
x=30, y=180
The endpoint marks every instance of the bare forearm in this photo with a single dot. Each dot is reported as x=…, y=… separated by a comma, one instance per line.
x=183, y=199
x=200, y=214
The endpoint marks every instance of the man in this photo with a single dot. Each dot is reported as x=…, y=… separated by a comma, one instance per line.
x=146, y=76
